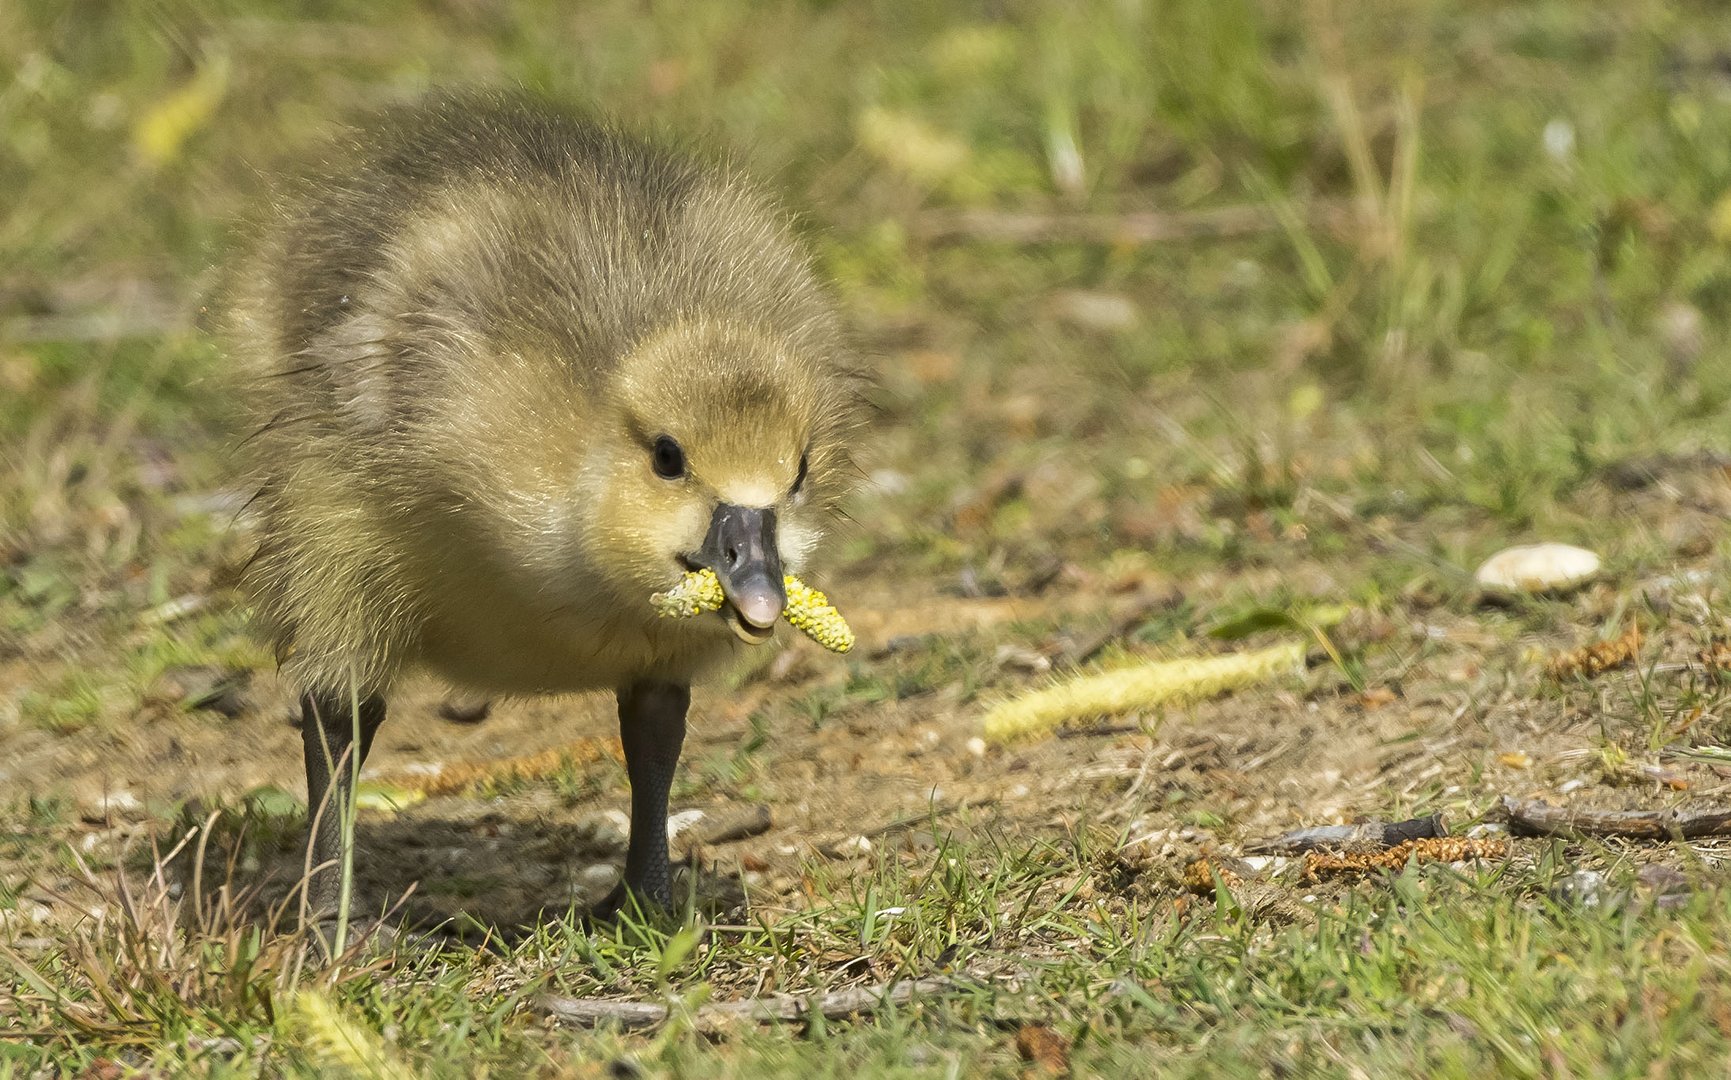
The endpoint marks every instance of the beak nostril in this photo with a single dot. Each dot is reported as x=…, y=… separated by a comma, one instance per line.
x=732, y=556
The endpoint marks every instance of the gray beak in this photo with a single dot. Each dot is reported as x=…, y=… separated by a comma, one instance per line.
x=741, y=549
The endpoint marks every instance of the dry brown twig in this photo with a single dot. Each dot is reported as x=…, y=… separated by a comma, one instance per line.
x=1537, y=818
x=1355, y=848
x=1359, y=836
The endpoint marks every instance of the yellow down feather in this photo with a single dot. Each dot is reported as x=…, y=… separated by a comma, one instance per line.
x=1132, y=689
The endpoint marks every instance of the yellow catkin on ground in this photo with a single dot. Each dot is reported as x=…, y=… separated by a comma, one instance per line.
x=1132, y=689
x=339, y=1046
x=458, y=777
x=808, y=610
x=1597, y=658
x=1430, y=849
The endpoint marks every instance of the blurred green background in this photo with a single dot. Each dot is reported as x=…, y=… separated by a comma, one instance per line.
x=1477, y=248
x=1470, y=250
x=1144, y=280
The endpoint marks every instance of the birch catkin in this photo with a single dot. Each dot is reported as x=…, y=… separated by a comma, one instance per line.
x=1131, y=689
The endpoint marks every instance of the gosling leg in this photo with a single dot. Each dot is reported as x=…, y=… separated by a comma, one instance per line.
x=652, y=730
x=328, y=723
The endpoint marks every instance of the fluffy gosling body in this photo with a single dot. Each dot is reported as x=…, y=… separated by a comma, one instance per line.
x=514, y=371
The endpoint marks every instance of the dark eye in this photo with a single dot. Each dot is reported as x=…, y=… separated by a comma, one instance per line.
x=668, y=458
x=799, y=481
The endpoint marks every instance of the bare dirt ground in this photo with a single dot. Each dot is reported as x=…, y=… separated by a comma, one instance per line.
x=847, y=759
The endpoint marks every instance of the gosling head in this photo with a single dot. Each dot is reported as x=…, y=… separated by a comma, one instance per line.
x=728, y=451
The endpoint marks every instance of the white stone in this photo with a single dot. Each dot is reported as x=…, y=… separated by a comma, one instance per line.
x=121, y=802
x=606, y=831
x=682, y=822
x=596, y=881
x=1538, y=568
x=853, y=845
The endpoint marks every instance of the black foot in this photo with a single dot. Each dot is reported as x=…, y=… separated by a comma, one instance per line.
x=372, y=935
x=642, y=903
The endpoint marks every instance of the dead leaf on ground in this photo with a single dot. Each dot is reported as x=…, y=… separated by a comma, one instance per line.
x=1376, y=697
x=1202, y=876
x=1716, y=658
x=1046, y=1052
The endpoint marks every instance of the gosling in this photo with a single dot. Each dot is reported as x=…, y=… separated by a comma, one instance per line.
x=515, y=371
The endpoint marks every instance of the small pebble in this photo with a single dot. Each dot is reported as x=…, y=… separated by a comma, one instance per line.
x=846, y=849
x=1666, y=885
x=112, y=804
x=1583, y=888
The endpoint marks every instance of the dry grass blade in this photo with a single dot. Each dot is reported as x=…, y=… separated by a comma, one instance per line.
x=146, y=959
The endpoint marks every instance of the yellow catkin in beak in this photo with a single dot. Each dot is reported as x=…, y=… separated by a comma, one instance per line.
x=695, y=593
x=808, y=610
x=1141, y=687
